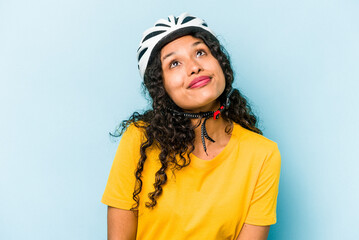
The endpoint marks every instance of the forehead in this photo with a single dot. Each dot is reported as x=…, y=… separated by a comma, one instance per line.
x=179, y=43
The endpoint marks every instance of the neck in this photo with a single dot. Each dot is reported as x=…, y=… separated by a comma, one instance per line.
x=211, y=130
x=216, y=129
x=213, y=127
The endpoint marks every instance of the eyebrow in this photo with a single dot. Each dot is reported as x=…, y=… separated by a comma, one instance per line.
x=172, y=53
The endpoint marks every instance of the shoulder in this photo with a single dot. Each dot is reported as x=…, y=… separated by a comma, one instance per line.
x=135, y=132
x=258, y=150
x=251, y=138
x=253, y=141
x=130, y=143
x=137, y=128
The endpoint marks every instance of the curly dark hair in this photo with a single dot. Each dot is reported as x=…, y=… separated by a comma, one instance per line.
x=174, y=135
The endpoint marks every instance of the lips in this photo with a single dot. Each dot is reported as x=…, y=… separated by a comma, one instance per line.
x=199, y=82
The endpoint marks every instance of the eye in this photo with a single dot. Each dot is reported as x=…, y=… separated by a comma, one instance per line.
x=200, y=53
x=174, y=64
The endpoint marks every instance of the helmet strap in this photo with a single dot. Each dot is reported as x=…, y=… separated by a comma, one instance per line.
x=205, y=116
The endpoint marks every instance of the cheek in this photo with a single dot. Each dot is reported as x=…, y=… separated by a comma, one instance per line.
x=219, y=72
x=171, y=82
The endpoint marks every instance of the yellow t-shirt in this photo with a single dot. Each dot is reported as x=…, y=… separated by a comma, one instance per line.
x=209, y=199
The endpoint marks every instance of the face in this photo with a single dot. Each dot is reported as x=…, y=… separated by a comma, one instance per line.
x=191, y=75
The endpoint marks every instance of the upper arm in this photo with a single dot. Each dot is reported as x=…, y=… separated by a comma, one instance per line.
x=262, y=208
x=121, y=224
x=252, y=232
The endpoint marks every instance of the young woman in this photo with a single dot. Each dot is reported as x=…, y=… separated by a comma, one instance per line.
x=194, y=166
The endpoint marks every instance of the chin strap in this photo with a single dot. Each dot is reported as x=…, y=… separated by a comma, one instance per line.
x=206, y=116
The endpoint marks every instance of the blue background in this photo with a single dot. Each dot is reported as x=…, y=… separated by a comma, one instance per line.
x=68, y=76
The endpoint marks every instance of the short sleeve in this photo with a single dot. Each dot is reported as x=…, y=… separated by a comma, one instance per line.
x=121, y=181
x=262, y=209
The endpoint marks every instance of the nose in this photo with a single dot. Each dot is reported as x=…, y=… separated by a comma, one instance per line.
x=194, y=67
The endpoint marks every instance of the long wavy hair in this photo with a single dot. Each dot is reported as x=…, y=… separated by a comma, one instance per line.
x=174, y=135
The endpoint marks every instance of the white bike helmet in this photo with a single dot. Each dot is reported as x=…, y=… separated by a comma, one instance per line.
x=165, y=31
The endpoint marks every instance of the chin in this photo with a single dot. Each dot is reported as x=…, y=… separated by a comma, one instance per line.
x=204, y=107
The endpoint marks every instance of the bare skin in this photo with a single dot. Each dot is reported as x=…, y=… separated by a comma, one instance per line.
x=121, y=224
x=252, y=232
x=216, y=130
